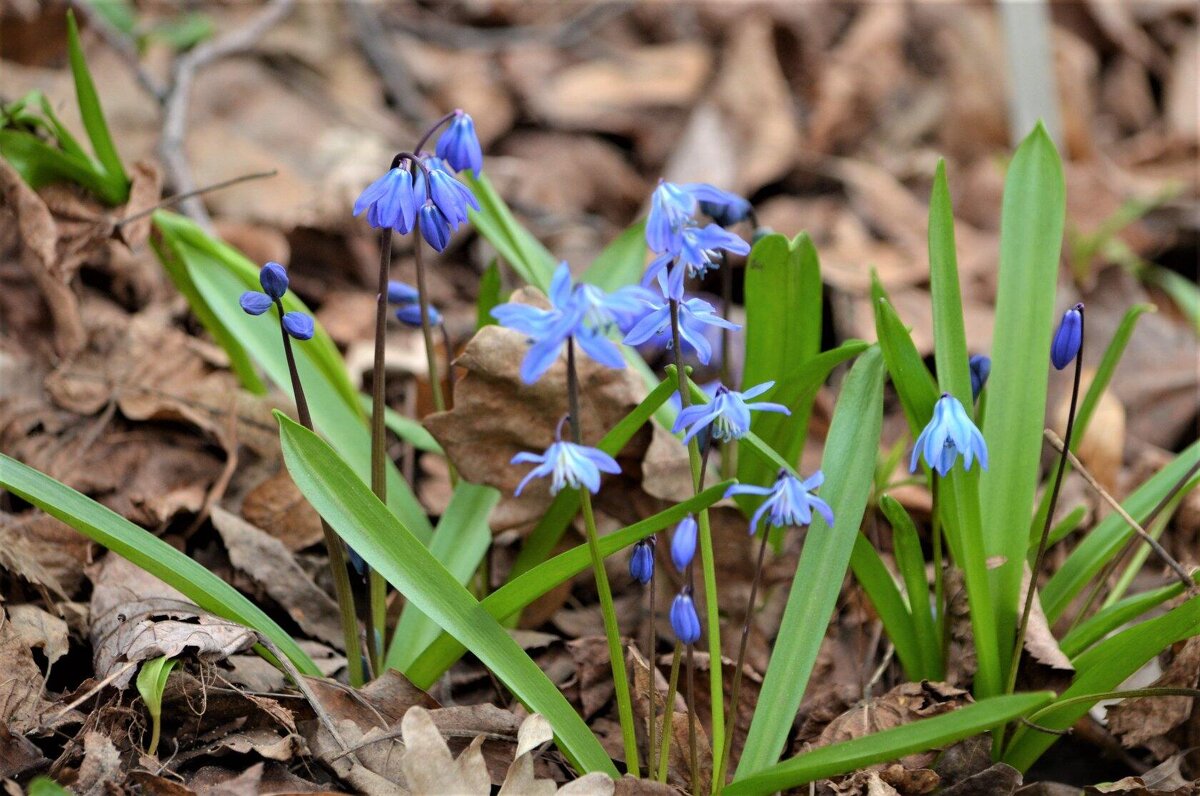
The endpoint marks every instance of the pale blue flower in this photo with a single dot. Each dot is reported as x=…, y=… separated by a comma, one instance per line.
x=789, y=501
x=949, y=433
x=694, y=315
x=692, y=256
x=727, y=413
x=673, y=205
x=435, y=227
x=567, y=464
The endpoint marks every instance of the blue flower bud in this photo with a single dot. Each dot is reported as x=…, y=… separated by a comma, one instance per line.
x=981, y=367
x=434, y=227
x=459, y=146
x=727, y=213
x=641, y=563
x=410, y=315
x=684, y=621
x=401, y=293
x=1068, y=338
x=683, y=543
x=255, y=303
x=274, y=280
x=298, y=325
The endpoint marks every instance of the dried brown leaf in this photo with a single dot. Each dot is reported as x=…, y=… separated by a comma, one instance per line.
x=1136, y=721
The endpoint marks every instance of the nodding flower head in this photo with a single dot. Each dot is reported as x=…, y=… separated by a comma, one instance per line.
x=673, y=206
x=435, y=227
x=691, y=256
x=949, y=433
x=410, y=315
x=694, y=315
x=736, y=209
x=448, y=195
x=1068, y=339
x=684, y=621
x=390, y=201
x=298, y=325
x=567, y=464
x=683, y=543
x=274, y=280
x=981, y=367
x=459, y=146
x=641, y=563
x=789, y=501
x=727, y=416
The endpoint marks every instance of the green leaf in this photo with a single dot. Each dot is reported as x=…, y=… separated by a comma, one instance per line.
x=184, y=32
x=893, y=744
x=460, y=541
x=40, y=164
x=489, y=296
x=877, y=582
x=44, y=786
x=949, y=332
x=384, y=542
x=151, y=682
x=1108, y=619
x=783, y=308
x=1103, y=668
x=90, y=110
x=914, y=385
x=1110, y=535
x=848, y=465
x=906, y=545
x=621, y=262
x=406, y=428
x=494, y=221
x=520, y=591
x=1031, y=231
x=145, y=550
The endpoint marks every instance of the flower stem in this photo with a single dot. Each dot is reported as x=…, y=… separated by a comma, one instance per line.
x=939, y=585
x=668, y=725
x=1031, y=592
x=707, y=565
x=735, y=694
x=333, y=543
x=431, y=360
x=432, y=129
x=611, y=630
x=651, y=690
x=691, y=703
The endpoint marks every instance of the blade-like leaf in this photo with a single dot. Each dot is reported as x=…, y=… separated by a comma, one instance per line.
x=341, y=497
x=621, y=262
x=849, y=467
x=877, y=582
x=911, y=563
x=1108, y=619
x=494, y=221
x=40, y=164
x=142, y=548
x=910, y=377
x=949, y=332
x=783, y=307
x=489, y=295
x=934, y=733
x=91, y=112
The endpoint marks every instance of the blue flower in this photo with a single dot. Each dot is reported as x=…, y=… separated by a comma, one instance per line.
x=728, y=413
x=459, y=145
x=684, y=621
x=981, y=367
x=641, y=563
x=696, y=246
x=255, y=303
x=568, y=464
x=789, y=501
x=298, y=325
x=401, y=293
x=728, y=214
x=410, y=315
x=274, y=280
x=390, y=201
x=1068, y=339
x=435, y=228
x=950, y=432
x=683, y=543
x=672, y=206
x=694, y=315
x=449, y=195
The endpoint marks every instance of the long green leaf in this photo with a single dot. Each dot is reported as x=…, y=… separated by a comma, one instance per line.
x=494, y=221
x=914, y=385
x=876, y=580
x=145, y=550
x=1108, y=619
x=40, y=164
x=91, y=112
x=407, y=429
x=621, y=262
x=911, y=563
x=460, y=541
x=783, y=307
x=524, y=589
x=849, y=466
x=341, y=497
x=1031, y=231
x=1103, y=668
x=893, y=744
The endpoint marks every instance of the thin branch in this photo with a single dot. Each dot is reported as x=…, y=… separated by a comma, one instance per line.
x=179, y=197
x=372, y=36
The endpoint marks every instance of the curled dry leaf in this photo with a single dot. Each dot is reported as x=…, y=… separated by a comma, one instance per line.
x=43, y=550
x=1040, y=642
x=40, y=630
x=21, y=702
x=101, y=765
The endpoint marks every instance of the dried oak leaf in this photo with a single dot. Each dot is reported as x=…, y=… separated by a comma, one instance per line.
x=40, y=630
x=21, y=702
x=43, y=550
x=1136, y=721
x=101, y=766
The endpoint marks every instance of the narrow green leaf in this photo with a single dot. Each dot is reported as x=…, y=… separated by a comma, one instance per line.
x=783, y=307
x=893, y=744
x=494, y=221
x=877, y=582
x=1064, y=528
x=906, y=545
x=1141, y=552
x=1108, y=619
x=949, y=332
x=1031, y=232
x=520, y=591
x=145, y=550
x=1102, y=668
x=914, y=385
x=90, y=110
x=406, y=428
x=384, y=542
x=621, y=262
x=40, y=164
x=460, y=541
x=489, y=295
x=848, y=465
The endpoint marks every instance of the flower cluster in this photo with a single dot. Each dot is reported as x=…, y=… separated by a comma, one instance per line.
x=420, y=191
x=408, y=302
x=685, y=248
x=695, y=315
x=274, y=280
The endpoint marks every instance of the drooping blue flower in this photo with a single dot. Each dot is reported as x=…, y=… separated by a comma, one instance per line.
x=641, y=563
x=435, y=227
x=1068, y=339
x=274, y=280
x=410, y=315
x=981, y=367
x=692, y=256
x=402, y=293
x=255, y=303
x=567, y=464
x=683, y=542
x=729, y=213
x=949, y=433
x=684, y=621
x=447, y=194
x=673, y=205
x=298, y=325
x=727, y=414
x=694, y=315
x=390, y=201
x=789, y=501
x=459, y=146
